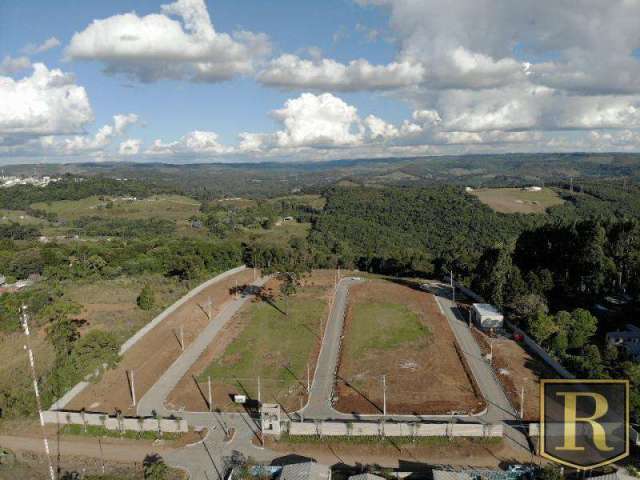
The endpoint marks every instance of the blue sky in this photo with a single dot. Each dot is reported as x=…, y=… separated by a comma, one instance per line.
x=345, y=78
x=171, y=108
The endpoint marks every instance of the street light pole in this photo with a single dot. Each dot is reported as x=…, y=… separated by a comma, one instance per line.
x=384, y=396
x=133, y=387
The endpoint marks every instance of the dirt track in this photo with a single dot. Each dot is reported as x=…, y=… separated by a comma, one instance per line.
x=155, y=352
x=421, y=378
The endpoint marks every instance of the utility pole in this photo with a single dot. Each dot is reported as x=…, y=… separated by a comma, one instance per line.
x=384, y=396
x=101, y=454
x=301, y=413
x=25, y=326
x=182, y=337
x=453, y=289
x=491, y=352
x=133, y=387
x=236, y=289
x=210, y=395
x=522, y=402
x=308, y=379
x=259, y=392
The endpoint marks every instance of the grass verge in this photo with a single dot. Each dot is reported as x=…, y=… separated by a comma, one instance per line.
x=96, y=431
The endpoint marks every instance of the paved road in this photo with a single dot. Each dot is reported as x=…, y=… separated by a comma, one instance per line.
x=321, y=394
x=154, y=399
x=499, y=408
x=116, y=450
x=205, y=460
x=320, y=404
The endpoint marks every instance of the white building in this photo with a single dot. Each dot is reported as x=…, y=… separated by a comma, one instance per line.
x=486, y=316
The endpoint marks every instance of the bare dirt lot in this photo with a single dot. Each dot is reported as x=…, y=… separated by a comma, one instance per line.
x=155, y=352
x=517, y=368
x=261, y=341
x=399, y=332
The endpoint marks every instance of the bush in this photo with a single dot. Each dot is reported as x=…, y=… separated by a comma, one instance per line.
x=146, y=300
x=155, y=468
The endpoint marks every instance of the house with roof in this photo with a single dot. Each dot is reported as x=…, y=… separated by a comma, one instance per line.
x=629, y=339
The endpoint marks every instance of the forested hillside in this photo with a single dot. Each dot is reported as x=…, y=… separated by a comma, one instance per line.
x=424, y=230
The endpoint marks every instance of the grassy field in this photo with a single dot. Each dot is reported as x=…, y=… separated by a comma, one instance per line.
x=518, y=200
x=398, y=333
x=19, y=216
x=385, y=326
x=274, y=346
x=278, y=234
x=111, y=304
x=106, y=305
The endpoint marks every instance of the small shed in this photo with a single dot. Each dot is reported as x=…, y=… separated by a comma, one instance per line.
x=486, y=316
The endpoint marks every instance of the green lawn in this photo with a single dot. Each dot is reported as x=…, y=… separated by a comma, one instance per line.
x=274, y=346
x=170, y=207
x=383, y=326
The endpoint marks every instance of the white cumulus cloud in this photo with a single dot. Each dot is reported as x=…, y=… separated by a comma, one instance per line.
x=130, y=146
x=178, y=43
x=318, y=120
x=193, y=143
x=291, y=71
x=46, y=103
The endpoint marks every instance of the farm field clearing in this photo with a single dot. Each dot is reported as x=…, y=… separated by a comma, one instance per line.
x=261, y=341
x=398, y=332
x=518, y=200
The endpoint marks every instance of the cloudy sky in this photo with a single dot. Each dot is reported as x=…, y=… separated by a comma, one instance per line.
x=250, y=80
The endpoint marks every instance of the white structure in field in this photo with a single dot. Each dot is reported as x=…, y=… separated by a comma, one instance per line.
x=486, y=316
x=533, y=189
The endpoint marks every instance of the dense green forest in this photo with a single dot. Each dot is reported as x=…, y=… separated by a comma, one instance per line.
x=412, y=230
x=549, y=272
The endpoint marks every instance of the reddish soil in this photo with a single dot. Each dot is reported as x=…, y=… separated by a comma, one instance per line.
x=191, y=395
x=421, y=379
x=155, y=352
x=516, y=367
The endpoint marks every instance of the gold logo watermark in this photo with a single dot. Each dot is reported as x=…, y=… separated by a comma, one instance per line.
x=584, y=423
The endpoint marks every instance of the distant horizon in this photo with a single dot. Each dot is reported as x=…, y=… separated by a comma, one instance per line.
x=305, y=162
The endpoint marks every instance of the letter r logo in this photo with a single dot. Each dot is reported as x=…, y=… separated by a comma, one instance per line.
x=584, y=423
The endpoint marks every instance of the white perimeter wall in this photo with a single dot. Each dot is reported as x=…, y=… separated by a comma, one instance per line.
x=345, y=429
x=112, y=423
